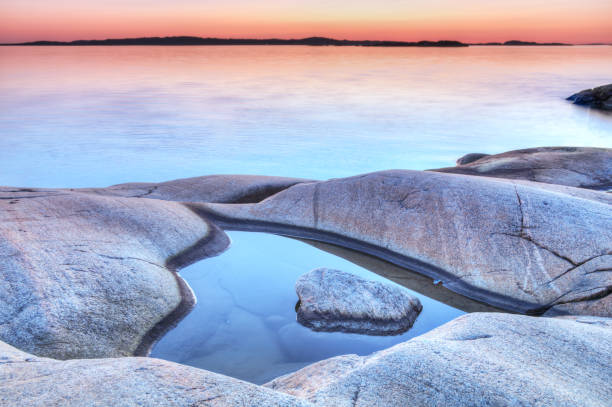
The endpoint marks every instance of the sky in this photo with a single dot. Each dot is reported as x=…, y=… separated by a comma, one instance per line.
x=583, y=21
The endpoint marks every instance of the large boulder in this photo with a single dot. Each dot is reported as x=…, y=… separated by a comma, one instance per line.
x=582, y=167
x=88, y=276
x=209, y=188
x=26, y=380
x=598, y=98
x=332, y=300
x=514, y=245
x=481, y=359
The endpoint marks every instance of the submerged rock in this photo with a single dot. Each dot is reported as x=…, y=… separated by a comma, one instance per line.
x=598, y=98
x=517, y=245
x=26, y=380
x=332, y=300
x=209, y=188
x=582, y=167
x=481, y=359
x=88, y=276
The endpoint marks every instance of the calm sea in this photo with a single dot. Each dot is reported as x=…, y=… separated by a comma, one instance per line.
x=96, y=116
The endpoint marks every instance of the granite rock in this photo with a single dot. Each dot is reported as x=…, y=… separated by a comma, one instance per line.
x=87, y=276
x=406, y=278
x=470, y=158
x=209, y=188
x=27, y=380
x=516, y=245
x=332, y=300
x=598, y=98
x=582, y=167
x=480, y=359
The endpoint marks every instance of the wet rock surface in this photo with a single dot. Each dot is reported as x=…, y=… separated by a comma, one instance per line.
x=95, y=276
x=332, y=300
x=582, y=167
x=27, y=380
x=480, y=359
x=598, y=98
x=519, y=246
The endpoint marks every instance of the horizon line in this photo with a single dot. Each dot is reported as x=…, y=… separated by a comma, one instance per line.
x=322, y=39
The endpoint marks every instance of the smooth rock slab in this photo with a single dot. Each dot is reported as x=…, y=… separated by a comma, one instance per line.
x=28, y=381
x=598, y=98
x=332, y=300
x=84, y=276
x=480, y=359
x=208, y=188
x=582, y=167
x=517, y=245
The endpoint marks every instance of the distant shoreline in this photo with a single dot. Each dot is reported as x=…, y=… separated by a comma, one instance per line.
x=523, y=43
x=310, y=41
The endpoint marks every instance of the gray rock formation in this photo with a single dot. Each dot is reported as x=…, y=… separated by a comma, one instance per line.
x=470, y=158
x=481, y=359
x=209, y=188
x=406, y=278
x=27, y=381
x=332, y=300
x=519, y=246
x=581, y=167
x=598, y=98
x=93, y=276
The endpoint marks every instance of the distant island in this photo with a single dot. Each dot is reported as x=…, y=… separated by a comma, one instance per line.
x=523, y=43
x=313, y=41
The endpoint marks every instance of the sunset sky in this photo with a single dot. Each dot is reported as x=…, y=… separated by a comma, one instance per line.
x=469, y=20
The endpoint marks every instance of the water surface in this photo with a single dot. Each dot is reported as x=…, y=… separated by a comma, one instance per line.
x=95, y=116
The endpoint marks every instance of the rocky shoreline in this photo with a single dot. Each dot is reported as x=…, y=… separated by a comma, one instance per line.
x=95, y=276
x=597, y=98
x=400, y=216
x=92, y=273
x=480, y=359
x=587, y=168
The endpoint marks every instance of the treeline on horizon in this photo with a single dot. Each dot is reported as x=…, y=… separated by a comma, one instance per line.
x=313, y=41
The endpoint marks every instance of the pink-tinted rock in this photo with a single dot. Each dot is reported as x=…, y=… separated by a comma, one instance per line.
x=582, y=167
x=94, y=276
x=520, y=246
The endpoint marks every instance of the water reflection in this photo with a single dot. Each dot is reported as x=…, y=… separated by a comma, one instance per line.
x=244, y=324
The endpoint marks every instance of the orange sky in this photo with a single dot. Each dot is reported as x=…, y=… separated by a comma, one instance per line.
x=468, y=20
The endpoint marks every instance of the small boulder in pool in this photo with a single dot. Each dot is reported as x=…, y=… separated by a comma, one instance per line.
x=335, y=301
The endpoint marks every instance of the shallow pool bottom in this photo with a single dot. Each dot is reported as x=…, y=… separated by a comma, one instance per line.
x=244, y=324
